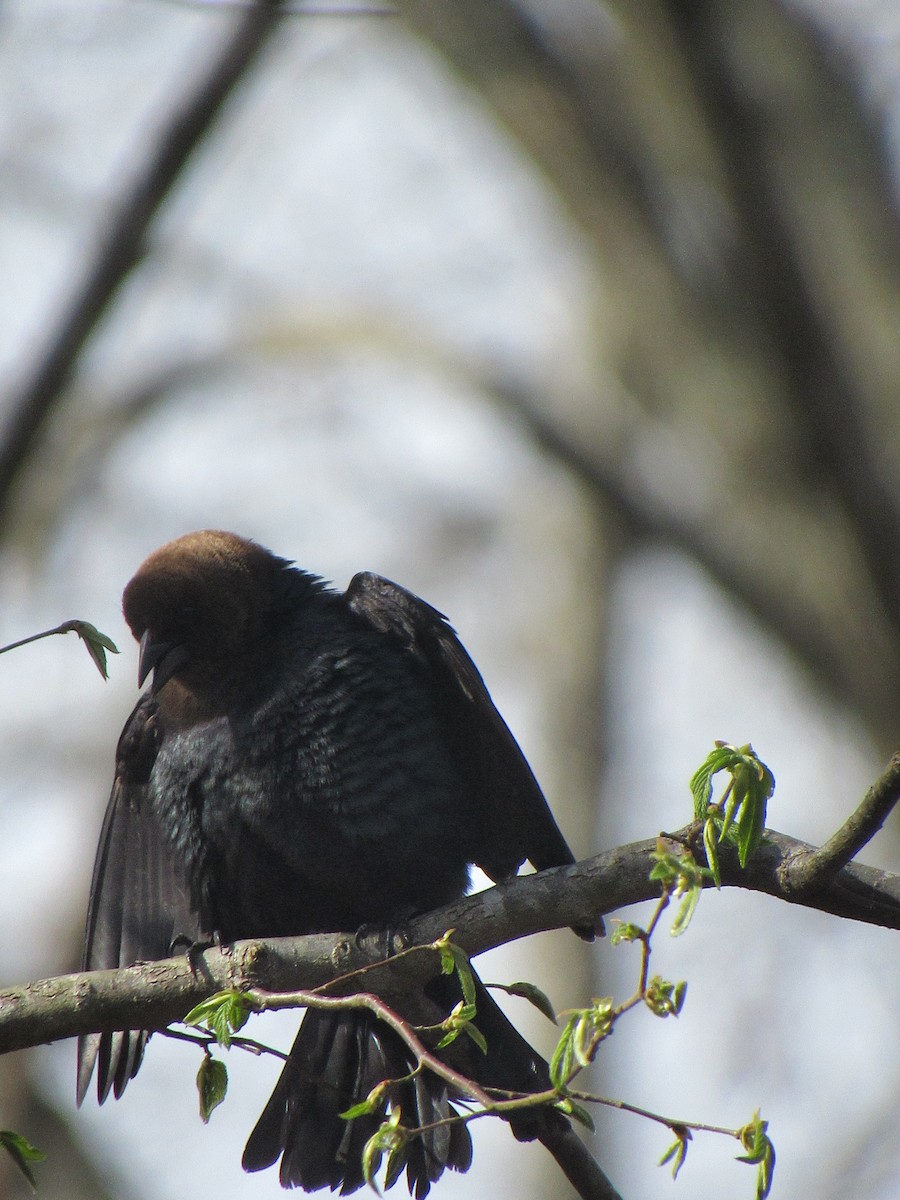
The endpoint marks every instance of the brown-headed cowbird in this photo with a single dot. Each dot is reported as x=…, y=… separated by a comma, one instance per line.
x=306, y=761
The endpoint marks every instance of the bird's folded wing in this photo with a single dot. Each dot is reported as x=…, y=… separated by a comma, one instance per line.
x=138, y=903
x=515, y=819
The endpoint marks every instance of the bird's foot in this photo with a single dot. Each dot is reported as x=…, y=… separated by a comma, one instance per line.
x=383, y=941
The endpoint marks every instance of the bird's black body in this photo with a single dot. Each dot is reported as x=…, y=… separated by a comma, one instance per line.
x=304, y=762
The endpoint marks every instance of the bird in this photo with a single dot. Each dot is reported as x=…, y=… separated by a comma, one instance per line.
x=307, y=761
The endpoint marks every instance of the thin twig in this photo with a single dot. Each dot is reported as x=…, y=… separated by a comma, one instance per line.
x=493, y=1101
x=207, y=1040
x=36, y=637
x=578, y=1164
x=669, y=1122
x=267, y=1001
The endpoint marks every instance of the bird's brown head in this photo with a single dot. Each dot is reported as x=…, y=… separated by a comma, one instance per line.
x=199, y=603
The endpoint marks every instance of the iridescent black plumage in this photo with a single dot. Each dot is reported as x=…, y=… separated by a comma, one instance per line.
x=304, y=762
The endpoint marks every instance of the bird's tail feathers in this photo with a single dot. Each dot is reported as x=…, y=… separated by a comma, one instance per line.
x=116, y=1057
x=336, y=1061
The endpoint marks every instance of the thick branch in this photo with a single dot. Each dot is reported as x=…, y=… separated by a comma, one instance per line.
x=811, y=872
x=152, y=995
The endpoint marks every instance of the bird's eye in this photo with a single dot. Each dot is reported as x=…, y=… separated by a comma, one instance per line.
x=187, y=616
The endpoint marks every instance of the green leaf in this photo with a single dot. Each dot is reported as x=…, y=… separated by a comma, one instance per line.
x=563, y=1058
x=460, y=1021
x=576, y=1112
x=760, y=1151
x=96, y=643
x=701, y=780
x=677, y=1152
x=686, y=910
x=585, y=1029
x=396, y=1137
x=471, y=1030
x=744, y=800
x=374, y=1102
x=751, y=1136
x=679, y=995
x=665, y=999
x=625, y=931
x=445, y=947
x=389, y=1138
x=730, y=801
x=371, y=1161
x=454, y=958
x=223, y=1015
x=712, y=850
x=666, y=867
x=364, y=1109
x=751, y=825
x=212, y=1085
x=531, y=993
x=395, y=1164
x=22, y=1153
x=680, y=875
x=673, y=1149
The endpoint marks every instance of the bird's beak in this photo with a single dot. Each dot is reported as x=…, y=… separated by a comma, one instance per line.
x=160, y=657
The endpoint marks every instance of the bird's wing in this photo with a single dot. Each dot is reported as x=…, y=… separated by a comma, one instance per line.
x=514, y=818
x=138, y=903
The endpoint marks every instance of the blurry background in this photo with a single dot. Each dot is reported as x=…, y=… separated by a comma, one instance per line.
x=578, y=319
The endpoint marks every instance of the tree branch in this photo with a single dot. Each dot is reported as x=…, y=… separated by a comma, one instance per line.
x=580, y=104
x=121, y=244
x=820, y=383
x=574, y=1158
x=811, y=872
x=152, y=995
x=704, y=537
x=666, y=518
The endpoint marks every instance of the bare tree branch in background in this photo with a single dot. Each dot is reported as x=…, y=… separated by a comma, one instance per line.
x=733, y=320
x=121, y=237
x=740, y=294
x=660, y=515
x=121, y=244
x=830, y=403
